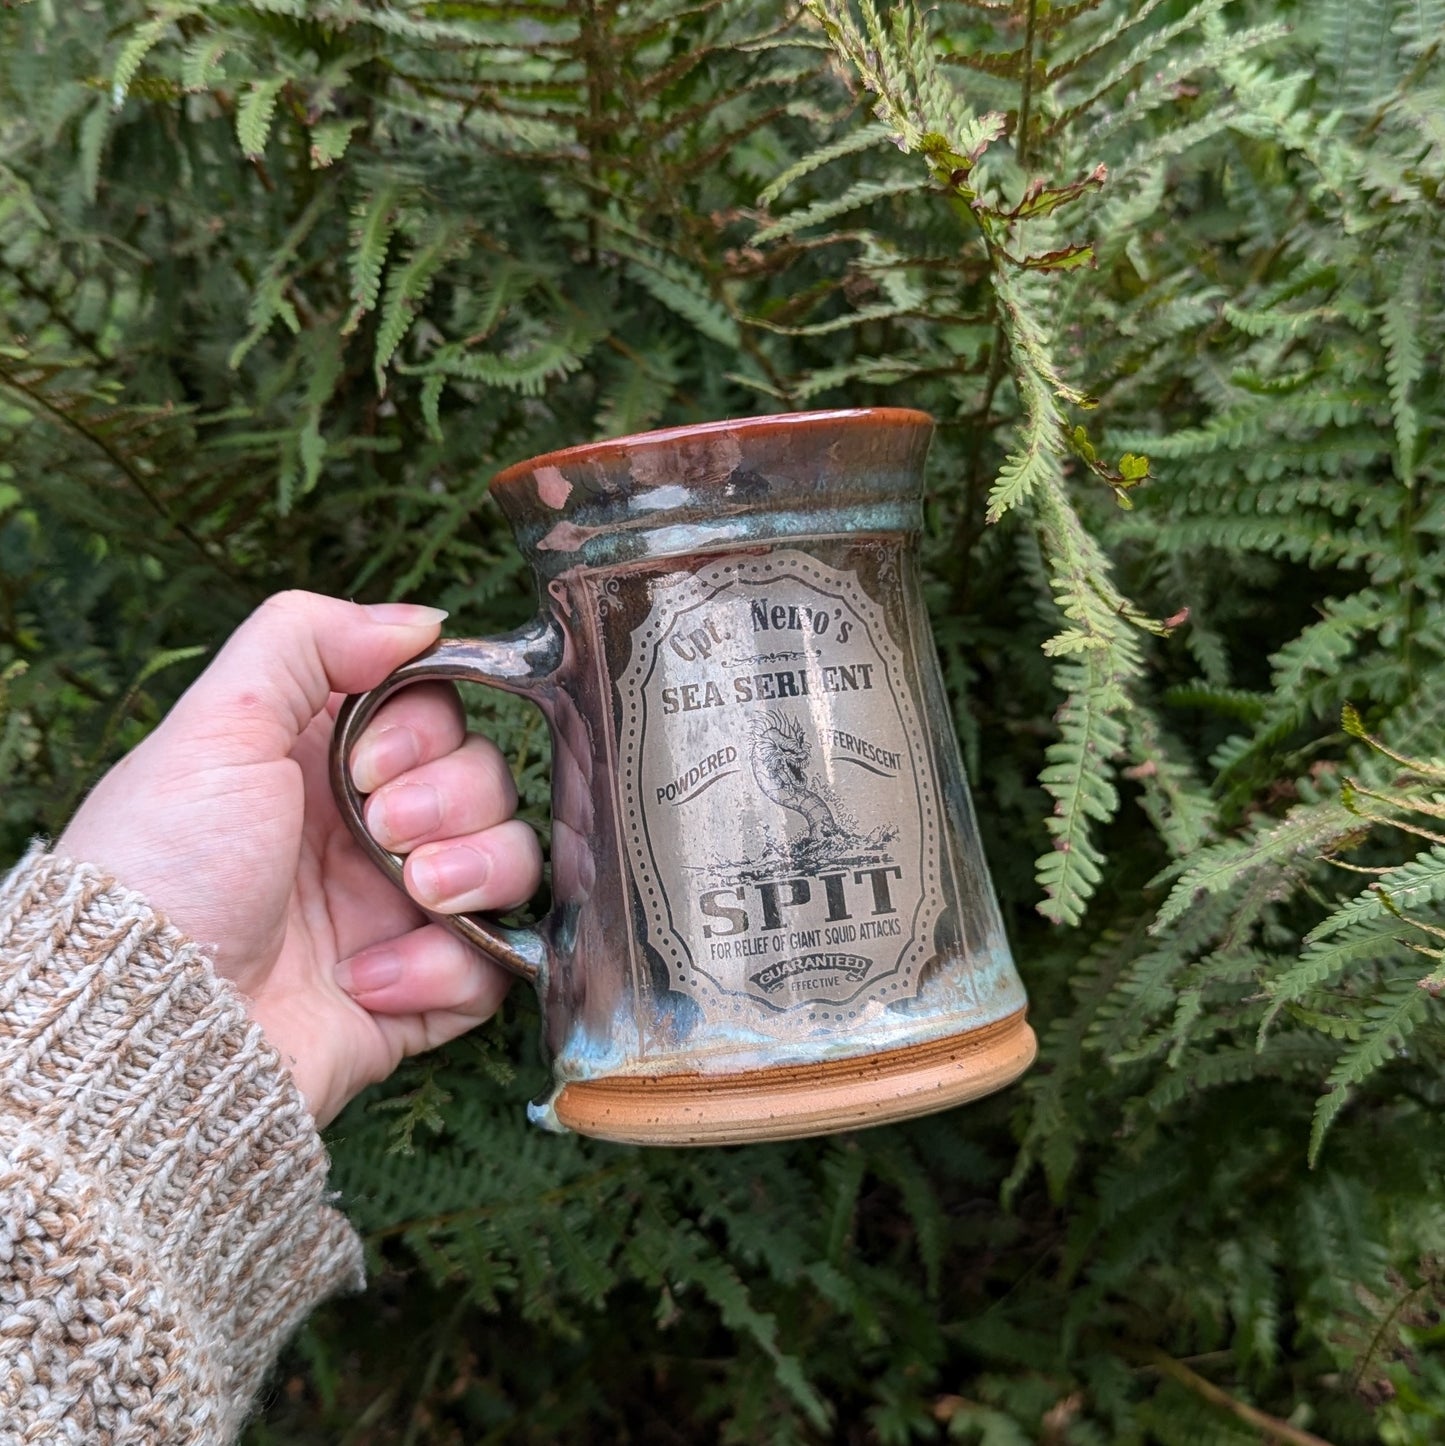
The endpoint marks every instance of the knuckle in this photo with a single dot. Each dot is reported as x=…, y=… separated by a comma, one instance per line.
x=286, y=604
x=521, y=840
x=491, y=771
x=502, y=780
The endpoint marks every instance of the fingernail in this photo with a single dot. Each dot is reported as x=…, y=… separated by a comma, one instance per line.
x=440, y=878
x=369, y=971
x=403, y=813
x=383, y=754
x=406, y=615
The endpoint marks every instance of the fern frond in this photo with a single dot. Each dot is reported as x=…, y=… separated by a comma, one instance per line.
x=1022, y=471
x=676, y=1255
x=681, y=289
x=865, y=192
x=1324, y=960
x=271, y=297
x=896, y=1163
x=142, y=40
x=1077, y=775
x=1145, y=989
x=255, y=112
x=885, y=311
x=1177, y=805
x=1387, y=1022
x=1073, y=57
x=914, y=98
x=406, y=290
x=525, y=370
x=1294, y=1056
x=329, y=141
x=1407, y=886
x=1148, y=45
x=371, y=231
x=1303, y=832
x=1400, y=332
x=877, y=370
x=636, y=400
x=847, y=144
x=201, y=61
x=1221, y=50
x=1310, y=680
x=1276, y=321
x=95, y=131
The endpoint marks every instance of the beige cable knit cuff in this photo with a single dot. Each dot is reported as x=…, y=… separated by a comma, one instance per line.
x=163, y=1210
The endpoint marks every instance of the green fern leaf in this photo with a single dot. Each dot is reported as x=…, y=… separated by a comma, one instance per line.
x=271, y=298
x=430, y=403
x=636, y=400
x=94, y=132
x=883, y=371
x=897, y=1164
x=406, y=289
x=1303, y=831
x=1364, y=930
x=1072, y=57
x=1389, y=1021
x=684, y=293
x=1143, y=992
x=843, y=1170
x=1177, y=805
x=1077, y=777
x=848, y=144
x=1400, y=331
x=1275, y=321
x=201, y=62
x=1419, y=882
x=1150, y=44
x=525, y=370
x=1295, y=1056
x=860, y=193
x=143, y=39
x=1327, y=958
x=1223, y=50
x=672, y=1250
x=254, y=114
x=329, y=140
x=1309, y=674
x=885, y=311
x=1024, y=470
x=371, y=232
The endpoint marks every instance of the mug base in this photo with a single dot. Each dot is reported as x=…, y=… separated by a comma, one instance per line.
x=789, y=1102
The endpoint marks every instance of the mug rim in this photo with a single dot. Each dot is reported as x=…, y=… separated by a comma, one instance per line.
x=605, y=447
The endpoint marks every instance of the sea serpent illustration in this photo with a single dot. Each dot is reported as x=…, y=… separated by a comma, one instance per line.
x=780, y=754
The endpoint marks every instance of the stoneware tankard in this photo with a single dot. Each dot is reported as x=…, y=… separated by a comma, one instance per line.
x=771, y=915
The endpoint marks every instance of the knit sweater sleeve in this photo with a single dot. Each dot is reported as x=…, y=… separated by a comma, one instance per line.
x=164, y=1222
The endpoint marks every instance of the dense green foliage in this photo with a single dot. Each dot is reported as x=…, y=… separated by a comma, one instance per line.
x=282, y=284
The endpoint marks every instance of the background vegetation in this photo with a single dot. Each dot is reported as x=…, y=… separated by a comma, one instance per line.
x=282, y=284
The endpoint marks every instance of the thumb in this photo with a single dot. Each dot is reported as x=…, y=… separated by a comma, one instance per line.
x=278, y=668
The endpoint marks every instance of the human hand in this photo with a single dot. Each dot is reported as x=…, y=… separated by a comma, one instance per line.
x=223, y=819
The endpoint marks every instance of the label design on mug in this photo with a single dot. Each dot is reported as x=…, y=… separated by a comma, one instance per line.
x=779, y=806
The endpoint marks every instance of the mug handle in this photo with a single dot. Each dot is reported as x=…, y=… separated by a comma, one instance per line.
x=522, y=662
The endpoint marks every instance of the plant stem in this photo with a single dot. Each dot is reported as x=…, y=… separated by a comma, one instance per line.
x=1270, y=1427
x=41, y=403
x=1021, y=132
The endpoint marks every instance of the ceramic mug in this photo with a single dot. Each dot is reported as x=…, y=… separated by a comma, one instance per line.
x=771, y=915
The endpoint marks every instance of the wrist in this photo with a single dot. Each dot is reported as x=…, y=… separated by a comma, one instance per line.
x=136, y=1071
